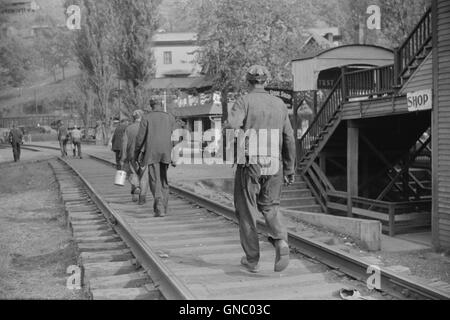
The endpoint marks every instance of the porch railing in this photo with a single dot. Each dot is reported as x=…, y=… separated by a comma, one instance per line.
x=417, y=40
x=394, y=216
x=370, y=82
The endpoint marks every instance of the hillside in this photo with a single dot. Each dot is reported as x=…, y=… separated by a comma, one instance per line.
x=40, y=84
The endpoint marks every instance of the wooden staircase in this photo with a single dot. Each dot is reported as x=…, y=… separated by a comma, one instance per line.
x=322, y=128
x=299, y=197
x=410, y=55
x=368, y=84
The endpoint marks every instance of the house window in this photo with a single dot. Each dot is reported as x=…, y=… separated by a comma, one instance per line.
x=167, y=57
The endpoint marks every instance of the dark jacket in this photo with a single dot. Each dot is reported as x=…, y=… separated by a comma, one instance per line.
x=129, y=142
x=155, y=135
x=260, y=110
x=63, y=134
x=117, y=137
x=15, y=136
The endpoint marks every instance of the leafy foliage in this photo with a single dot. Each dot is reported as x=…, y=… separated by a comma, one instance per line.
x=15, y=62
x=133, y=25
x=234, y=34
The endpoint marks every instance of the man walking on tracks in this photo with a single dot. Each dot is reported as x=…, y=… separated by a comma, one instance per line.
x=155, y=134
x=63, y=138
x=16, y=139
x=117, y=141
x=76, y=140
x=257, y=190
x=127, y=161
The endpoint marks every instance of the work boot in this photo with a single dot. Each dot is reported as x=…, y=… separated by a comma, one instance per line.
x=282, y=255
x=159, y=214
x=135, y=194
x=252, y=267
x=142, y=200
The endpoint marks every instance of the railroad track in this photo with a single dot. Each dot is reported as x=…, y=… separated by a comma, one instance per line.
x=194, y=253
x=7, y=146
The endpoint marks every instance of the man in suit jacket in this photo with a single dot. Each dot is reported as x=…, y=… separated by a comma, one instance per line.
x=155, y=133
x=16, y=138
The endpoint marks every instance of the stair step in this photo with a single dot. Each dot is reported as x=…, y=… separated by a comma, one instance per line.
x=310, y=208
x=296, y=193
x=295, y=186
x=298, y=201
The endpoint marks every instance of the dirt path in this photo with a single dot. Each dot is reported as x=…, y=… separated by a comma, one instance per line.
x=35, y=245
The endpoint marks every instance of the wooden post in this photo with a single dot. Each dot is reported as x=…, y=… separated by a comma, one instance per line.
x=344, y=84
x=315, y=106
x=365, y=174
x=323, y=163
x=391, y=220
x=397, y=62
x=352, y=164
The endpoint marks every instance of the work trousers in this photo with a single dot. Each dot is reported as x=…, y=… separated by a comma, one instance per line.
x=118, y=159
x=159, y=186
x=77, y=147
x=253, y=195
x=63, y=147
x=16, y=151
x=132, y=176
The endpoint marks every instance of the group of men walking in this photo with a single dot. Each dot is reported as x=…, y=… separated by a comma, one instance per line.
x=74, y=136
x=144, y=150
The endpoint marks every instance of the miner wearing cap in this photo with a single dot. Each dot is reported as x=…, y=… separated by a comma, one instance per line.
x=127, y=161
x=257, y=190
x=155, y=136
x=15, y=138
x=116, y=142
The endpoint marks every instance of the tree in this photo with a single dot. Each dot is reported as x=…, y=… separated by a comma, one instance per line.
x=134, y=23
x=15, y=62
x=398, y=18
x=234, y=34
x=92, y=47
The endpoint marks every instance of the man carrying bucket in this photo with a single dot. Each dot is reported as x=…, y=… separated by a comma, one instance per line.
x=127, y=161
x=155, y=135
x=116, y=142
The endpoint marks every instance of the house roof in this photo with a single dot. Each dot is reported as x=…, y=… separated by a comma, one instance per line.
x=317, y=55
x=174, y=39
x=175, y=36
x=179, y=83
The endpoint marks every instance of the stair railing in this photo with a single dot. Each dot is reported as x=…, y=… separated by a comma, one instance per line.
x=420, y=36
x=329, y=109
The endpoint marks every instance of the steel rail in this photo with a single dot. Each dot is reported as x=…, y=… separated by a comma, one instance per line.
x=356, y=268
x=352, y=266
x=171, y=287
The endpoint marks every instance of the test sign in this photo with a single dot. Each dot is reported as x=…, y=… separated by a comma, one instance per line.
x=420, y=100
